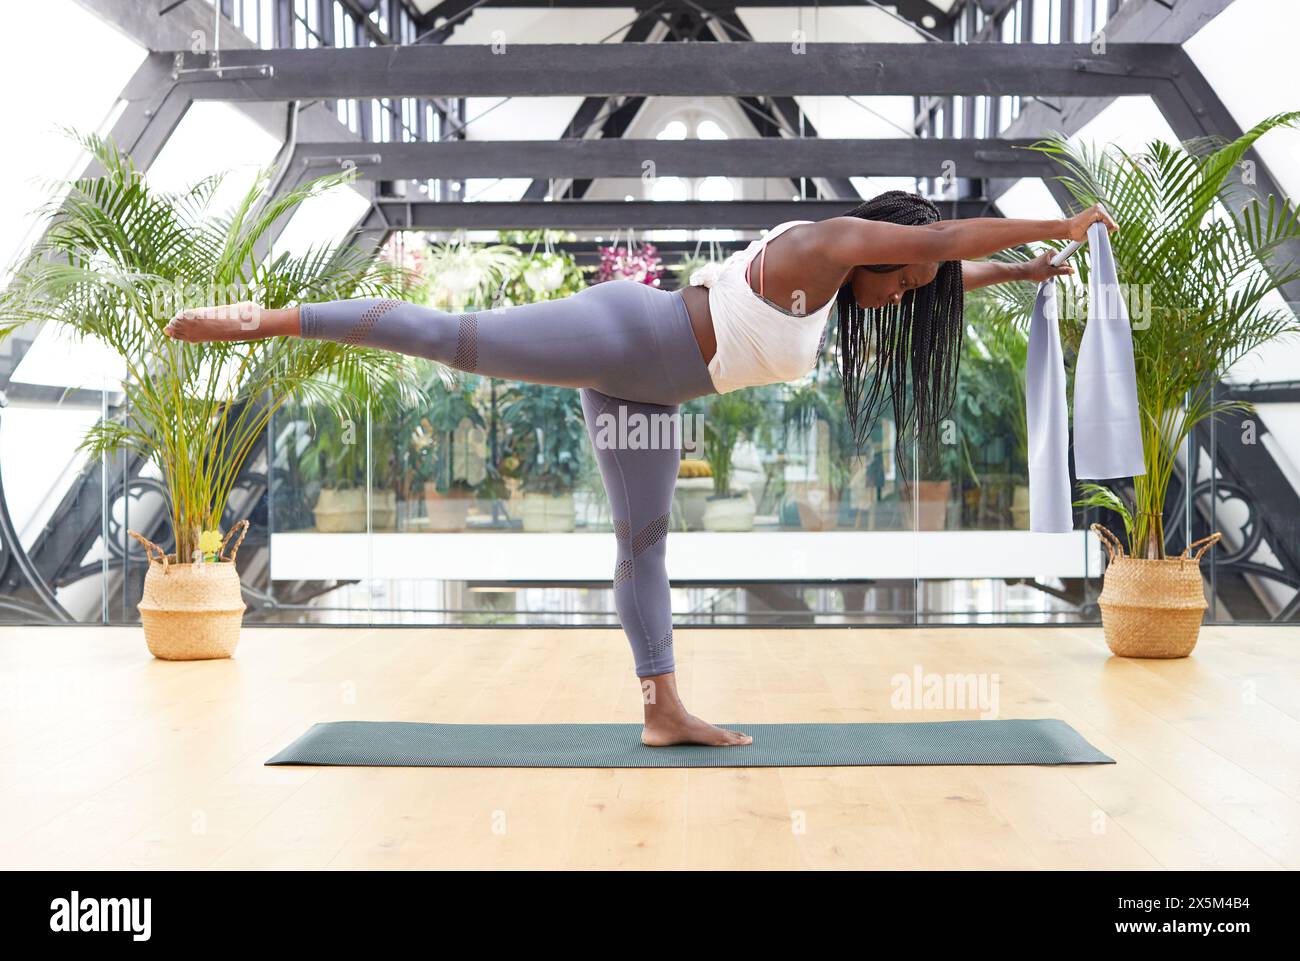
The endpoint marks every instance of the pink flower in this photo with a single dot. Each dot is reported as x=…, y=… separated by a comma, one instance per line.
x=642, y=264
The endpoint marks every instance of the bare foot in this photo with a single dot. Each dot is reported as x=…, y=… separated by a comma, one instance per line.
x=689, y=729
x=242, y=321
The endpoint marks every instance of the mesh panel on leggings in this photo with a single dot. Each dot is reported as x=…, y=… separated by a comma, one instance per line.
x=369, y=317
x=661, y=645
x=623, y=571
x=467, y=344
x=650, y=535
x=621, y=530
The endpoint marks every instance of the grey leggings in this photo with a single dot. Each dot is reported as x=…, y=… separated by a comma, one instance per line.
x=631, y=351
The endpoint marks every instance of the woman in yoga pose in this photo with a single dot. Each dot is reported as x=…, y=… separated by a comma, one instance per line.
x=894, y=271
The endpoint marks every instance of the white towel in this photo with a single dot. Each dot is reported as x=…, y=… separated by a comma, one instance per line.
x=1107, y=428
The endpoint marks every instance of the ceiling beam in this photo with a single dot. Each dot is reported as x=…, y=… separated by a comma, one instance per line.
x=155, y=87
x=616, y=157
x=449, y=10
x=910, y=9
x=614, y=214
x=677, y=69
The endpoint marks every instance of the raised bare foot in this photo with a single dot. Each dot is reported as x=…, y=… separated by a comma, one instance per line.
x=242, y=321
x=689, y=729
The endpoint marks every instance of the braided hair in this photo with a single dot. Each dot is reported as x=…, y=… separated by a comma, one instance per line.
x=903, y=354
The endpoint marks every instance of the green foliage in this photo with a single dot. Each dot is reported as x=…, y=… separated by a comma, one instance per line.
x=547, y=441
x=820, y=400
x=460, y=275
x=120, y=258
x=727, y=418
x=688, y=266
x=990, y=404
x=1099, y=495
x=545, y=274
x=431, y=425
x=336, y=458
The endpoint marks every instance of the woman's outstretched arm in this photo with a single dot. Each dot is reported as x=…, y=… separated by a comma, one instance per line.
x=985, y=273
x=851, y=241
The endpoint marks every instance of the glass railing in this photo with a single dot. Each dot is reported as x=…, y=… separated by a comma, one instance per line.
x=481, y=503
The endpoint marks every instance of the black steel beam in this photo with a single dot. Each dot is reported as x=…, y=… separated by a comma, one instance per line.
x=677, y=70
x=613, y=214
x=751, y=157
x=1262, y=392
x=1274, y=506
x=1194, y=110
x=1136, y=21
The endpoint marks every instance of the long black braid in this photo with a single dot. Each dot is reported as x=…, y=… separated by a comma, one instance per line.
x=905, y=354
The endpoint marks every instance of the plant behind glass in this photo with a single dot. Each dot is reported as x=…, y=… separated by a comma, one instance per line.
x=820, y=399
x=990, y=404
x=432, y=426
x=727, y=418
x=548, y=437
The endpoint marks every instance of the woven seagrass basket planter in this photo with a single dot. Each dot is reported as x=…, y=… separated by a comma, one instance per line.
x=192, y=612
x=1152, y=608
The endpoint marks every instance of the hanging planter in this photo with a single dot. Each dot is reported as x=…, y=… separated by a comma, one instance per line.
x=544, y=272
x=638, y=262
x=193, y=611
x=463, y=275
x=1152, y=608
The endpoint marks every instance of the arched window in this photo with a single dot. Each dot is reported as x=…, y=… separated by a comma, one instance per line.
x=693, y=124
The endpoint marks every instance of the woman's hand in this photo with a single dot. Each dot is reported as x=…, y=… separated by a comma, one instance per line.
x=1041, y=268
x=1077, y=226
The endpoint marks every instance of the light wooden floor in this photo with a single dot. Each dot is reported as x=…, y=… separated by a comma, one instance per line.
x=110, y=759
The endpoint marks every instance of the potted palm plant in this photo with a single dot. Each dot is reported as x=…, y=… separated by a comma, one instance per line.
x=1200, y=256
x=447, y=410
x=819, y=401
x=691, y=491
x=118, y=260
x=727, y=418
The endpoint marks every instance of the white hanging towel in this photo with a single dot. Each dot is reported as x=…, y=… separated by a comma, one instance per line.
x=1107, y=429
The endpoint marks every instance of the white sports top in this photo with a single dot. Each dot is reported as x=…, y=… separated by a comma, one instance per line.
x=758, y=341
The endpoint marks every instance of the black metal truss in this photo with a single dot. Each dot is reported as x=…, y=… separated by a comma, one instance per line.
x=595, y=116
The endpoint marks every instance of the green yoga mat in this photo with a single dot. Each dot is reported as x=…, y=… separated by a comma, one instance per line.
x=406, y=744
